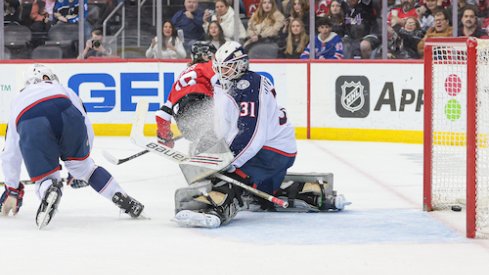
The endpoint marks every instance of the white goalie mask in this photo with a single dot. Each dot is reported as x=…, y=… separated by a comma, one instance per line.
x=230, y=61
x=37, y=73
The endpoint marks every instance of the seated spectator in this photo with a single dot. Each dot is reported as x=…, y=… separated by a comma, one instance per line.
x=265, y=24
x=393, y=45
x=425, y=14
x=336, y=15
x=215, y=34
x=224, y=15
x=298, y=9
x=251, y=6
x=171, y=47
x=296, y=40
x=66, y=11
x=399, y=15
x=190, y=20
x=328, y=44
x=94, y=46
x=441, y=29
x=11, y=11
x=40, y=22
x=409, y=35
x=360, y=26
x=322, y=7
x=470, y=26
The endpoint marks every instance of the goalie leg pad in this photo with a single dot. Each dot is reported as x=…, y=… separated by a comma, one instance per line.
x=204, y=205
x=311, y=192
x=185, y=197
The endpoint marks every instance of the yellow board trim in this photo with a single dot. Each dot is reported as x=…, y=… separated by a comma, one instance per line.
x=355, y=134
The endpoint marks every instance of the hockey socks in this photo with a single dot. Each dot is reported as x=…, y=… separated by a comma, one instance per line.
x=103, y=182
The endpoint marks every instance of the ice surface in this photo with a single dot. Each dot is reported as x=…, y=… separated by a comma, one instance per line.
x=384, y=231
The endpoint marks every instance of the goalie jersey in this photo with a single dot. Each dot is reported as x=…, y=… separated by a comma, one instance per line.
x=249, y=118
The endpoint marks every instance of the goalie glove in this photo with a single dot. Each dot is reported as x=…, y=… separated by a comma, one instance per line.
x=164, y=133
x=11, y=199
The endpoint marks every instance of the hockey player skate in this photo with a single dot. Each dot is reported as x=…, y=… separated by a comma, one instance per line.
x=128, y=204
x=312, y=192
x=205, y=205
x=49, y=203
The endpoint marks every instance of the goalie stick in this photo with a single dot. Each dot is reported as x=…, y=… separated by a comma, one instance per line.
x=110, y=158
x=209, y=163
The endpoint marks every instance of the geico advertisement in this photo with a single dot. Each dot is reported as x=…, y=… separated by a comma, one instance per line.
x=110, y=91
x=368, y=96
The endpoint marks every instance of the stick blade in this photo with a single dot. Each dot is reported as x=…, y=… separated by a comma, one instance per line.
x=207, y=163
x=110, y=158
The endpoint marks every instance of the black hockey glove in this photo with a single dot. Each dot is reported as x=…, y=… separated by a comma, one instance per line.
x=11, y=199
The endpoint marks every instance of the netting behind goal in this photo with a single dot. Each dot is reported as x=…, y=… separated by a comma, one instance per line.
x=456, y=153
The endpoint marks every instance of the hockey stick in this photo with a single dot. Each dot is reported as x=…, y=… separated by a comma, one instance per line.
x=188, y=164
x=197, y=167
x=25, y=182
x=117, y=161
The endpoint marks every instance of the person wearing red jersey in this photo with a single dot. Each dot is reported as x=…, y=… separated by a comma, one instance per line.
x=189, y=102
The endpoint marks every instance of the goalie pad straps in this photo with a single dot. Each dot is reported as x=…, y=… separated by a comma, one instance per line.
x=310, y=192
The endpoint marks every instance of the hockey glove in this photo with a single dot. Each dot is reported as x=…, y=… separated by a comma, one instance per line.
x=75, y=183
x=11, y=199
x=164, y=134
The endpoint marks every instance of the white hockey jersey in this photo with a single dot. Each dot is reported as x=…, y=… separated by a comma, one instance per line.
x=249, y=119
x=11, y=156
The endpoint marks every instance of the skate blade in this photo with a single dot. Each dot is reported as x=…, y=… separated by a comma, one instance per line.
x=141, y=216
x=42, y=218
x=188, y=218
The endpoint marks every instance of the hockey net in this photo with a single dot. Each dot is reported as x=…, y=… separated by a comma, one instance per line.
x=456, y=129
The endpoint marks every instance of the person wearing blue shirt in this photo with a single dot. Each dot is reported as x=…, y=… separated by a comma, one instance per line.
x=190, y=20
x=328, y=44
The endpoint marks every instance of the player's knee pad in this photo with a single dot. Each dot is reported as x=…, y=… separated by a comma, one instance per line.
x=81, y=169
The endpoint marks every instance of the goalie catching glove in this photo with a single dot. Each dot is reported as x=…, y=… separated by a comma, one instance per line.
x=164, y=133
x=11, y=199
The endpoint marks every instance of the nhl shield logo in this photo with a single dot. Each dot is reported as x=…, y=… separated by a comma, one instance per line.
x=352, y=96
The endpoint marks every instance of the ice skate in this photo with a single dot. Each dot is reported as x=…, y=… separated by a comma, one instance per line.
x=340, y=202
x=49, y=204
x=189, y=218
x=129, y=205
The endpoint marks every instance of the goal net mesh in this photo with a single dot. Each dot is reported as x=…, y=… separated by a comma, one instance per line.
x=449, y=129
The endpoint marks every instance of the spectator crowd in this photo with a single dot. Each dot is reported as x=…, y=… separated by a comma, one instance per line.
x=344, y=29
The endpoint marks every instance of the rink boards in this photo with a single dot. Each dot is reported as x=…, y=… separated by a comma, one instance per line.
x=342, y=100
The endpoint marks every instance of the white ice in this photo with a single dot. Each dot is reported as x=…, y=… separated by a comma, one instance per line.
x=384, y=231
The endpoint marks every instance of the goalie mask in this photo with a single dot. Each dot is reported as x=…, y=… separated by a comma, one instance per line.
x=230, y=61
x=38, y=73
x=202, y=51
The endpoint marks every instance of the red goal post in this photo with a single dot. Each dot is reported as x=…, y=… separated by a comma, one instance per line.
x=456, y=129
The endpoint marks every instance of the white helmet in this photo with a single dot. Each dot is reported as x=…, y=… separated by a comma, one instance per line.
x=230, y=61
x=37, y=73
